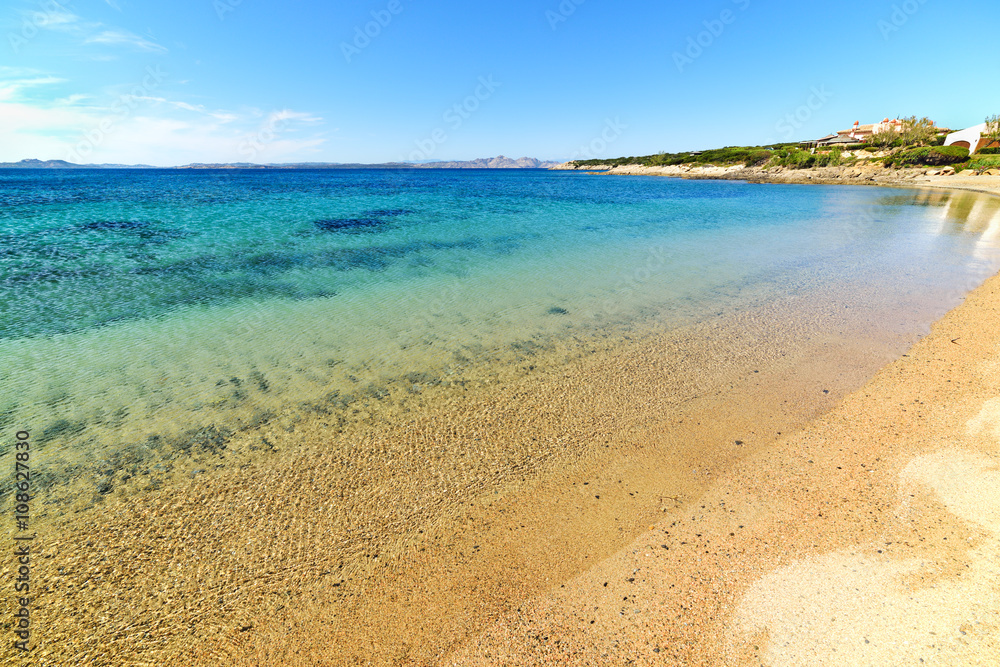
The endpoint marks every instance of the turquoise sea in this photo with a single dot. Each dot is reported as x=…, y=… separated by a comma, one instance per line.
x=149, y=305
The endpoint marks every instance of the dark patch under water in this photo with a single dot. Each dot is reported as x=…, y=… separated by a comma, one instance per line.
x=348, y=224
x=133, y=288
x=141, y=231
x=370, y=221
x=114, y=225
x=158, y=454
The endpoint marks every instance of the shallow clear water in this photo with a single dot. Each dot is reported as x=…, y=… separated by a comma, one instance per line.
x=154, y=303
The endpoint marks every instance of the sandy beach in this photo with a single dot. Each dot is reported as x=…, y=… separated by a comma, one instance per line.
x=777, y=485
x=871, y=537
x=340, y=334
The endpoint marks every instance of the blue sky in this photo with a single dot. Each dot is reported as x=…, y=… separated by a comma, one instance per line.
x=265, y=81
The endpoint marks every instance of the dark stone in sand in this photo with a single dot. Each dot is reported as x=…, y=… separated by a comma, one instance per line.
x=260, y=380
x=211, y=438
x=61, y=427
x=420, y=378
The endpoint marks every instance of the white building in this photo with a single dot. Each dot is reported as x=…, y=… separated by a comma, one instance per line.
x=971, y=138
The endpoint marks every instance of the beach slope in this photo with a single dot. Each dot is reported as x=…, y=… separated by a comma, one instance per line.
x=872, y=537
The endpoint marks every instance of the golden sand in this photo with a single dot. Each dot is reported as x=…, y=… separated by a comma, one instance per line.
x=872, y=537
x=727, y=493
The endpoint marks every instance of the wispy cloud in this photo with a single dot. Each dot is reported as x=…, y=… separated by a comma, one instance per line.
x=222, y=116
x=289, y=115
x=58, y=18
x=12, y=89
x=149, y=128
x=125, y=38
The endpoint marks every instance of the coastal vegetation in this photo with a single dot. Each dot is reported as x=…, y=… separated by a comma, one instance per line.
x=993, y=126
x=980, y=163
x=792, y=156
x=934, y=156
x=750, y=156
x=913, y=132
x=918, y=143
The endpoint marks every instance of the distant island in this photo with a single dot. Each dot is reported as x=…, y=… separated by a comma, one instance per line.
x=499, y=162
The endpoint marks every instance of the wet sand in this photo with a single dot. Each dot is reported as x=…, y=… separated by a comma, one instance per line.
x=397, y=530
x=671, y=497
x=871, y=537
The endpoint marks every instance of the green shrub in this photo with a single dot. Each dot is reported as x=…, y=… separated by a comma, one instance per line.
x=935, y=156
x=795, y=159
x=757, y=158
x=989, y=151
x=941, y=155
x=731, y=155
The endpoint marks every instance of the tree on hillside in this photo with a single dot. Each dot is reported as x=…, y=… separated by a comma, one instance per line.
x=913, y=131
x=993, y=127
x=920, y=132
x=883, y=139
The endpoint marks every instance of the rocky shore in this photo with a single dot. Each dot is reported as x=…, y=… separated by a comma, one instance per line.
x=857, y=174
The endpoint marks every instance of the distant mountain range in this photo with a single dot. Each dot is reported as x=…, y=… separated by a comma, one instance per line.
x=499, y=162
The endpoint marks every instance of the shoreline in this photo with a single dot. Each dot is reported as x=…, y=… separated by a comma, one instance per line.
x=366, y=596
x=855, y=175
x=872, y=536
x=337, y=545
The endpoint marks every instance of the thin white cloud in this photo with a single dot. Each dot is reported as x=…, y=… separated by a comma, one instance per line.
x=59, y=19
x=44, y=120
x=223, y=116
x=12, y=89
x=92, y=32
x=123, y=37
x=6, y=71
x=150, y=130
x=73, y=100
x=288, y=114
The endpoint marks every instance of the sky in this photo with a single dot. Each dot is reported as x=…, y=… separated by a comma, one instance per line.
x=269, y=81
